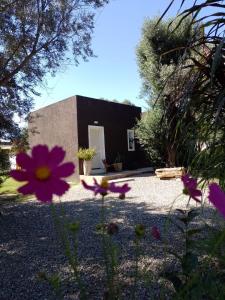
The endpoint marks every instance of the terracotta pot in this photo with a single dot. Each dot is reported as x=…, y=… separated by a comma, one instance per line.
x=118, y=167
x=87, y=166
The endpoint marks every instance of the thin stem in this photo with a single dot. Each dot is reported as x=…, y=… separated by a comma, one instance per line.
x=136, y=273
x=72, y=258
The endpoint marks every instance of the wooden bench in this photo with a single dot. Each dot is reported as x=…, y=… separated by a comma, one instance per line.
x=167, y=173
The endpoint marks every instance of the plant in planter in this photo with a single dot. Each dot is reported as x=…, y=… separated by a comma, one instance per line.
x=118, y=165
x=86, y=154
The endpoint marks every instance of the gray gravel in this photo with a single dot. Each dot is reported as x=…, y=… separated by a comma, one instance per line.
x=29, y=244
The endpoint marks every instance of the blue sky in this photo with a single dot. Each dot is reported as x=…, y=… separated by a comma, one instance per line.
x=113, y=74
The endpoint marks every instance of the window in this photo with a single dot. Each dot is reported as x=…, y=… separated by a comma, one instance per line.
x=130, y=140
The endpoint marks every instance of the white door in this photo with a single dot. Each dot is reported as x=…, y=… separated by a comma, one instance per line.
x=97, y=140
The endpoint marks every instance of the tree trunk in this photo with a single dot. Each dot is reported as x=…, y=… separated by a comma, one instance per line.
x=171, y=156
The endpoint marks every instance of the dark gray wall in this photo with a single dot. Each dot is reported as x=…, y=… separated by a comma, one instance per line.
x=116, y=119
x=56, y=124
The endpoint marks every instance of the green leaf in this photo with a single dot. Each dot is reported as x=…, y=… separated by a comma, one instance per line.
x=54, y=280
x=192, y=214
x=164, y=13
x=74, y=227
x=217, y=58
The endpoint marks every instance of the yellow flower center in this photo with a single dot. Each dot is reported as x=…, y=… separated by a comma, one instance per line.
x=42, y=173
x=104, y=184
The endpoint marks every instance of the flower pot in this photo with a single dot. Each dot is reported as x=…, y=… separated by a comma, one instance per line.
x=118, y=166
x=87, y=166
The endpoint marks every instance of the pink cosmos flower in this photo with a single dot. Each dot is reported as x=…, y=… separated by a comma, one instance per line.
x=43, y=172
x=217, y=197
x=104, y=187
x=190, y=187
x=156, y=233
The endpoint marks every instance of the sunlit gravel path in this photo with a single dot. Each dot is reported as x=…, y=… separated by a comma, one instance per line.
x=29, y=244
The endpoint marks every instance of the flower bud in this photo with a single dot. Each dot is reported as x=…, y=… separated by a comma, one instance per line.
x=156, y=233
x=139, y=230
x=74, y=227
x=112, y=228
x=122, y=196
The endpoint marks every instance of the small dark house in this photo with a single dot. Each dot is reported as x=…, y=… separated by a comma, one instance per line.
x=86, y=122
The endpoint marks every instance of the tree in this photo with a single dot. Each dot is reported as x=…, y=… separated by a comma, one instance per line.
x=21, y=143
x=127, y=102
x=151, y=135
x=206, y=89
x=35, y=38
x=159, y=67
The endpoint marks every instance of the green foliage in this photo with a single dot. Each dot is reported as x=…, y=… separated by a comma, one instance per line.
x=156, y=61
x=193, y=280
x=204, y=88
x=159, y=54
x=86, y=153
x=21, y=143
x=127, y=102
x=151, y=134
x=4, y=160
x=34, y=44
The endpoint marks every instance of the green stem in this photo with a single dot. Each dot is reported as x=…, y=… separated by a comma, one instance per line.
x=72, y=258
x=106, y=244
x=136, y=273
x=196, y=275
x=75, y=267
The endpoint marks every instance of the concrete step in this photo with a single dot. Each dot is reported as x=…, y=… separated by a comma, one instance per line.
x=116, y=175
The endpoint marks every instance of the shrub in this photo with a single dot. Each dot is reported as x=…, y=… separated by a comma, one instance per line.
x=86, y=153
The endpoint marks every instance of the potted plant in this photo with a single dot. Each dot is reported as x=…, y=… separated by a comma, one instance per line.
x=118, y=165
x=86, y=154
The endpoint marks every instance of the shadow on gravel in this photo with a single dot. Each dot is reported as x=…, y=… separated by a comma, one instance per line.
x=29, y=245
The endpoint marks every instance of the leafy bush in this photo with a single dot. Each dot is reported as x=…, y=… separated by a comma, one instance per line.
x=151, y=135
x=86, y=153
x=4, y=160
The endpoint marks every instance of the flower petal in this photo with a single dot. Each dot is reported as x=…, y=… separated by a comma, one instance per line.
x=195, y=194
x=119, y=189
x=64, y=170
x=190, y=183
x=56, y=156
x=100, y=190
x=88, y=187
x=19, y=175
x=58, y=186
x=40, y=154
x=44, y=193
x=217, y=197
x=24, y=160
x=26, y=189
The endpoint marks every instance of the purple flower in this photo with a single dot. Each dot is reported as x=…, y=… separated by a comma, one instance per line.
x=190, y=187
x=217, y=197
x=156, y=233
x=104, y=187
x=43, y=172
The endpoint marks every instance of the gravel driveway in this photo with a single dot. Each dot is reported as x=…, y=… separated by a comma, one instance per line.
x=29, y=244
